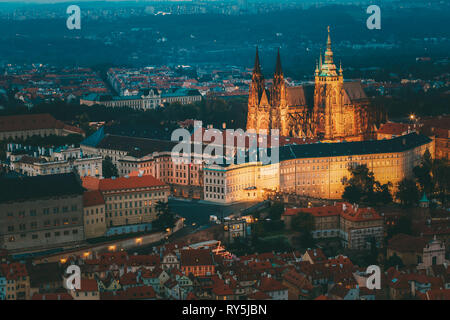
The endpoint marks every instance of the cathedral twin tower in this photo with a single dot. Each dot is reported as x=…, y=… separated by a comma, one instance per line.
x=331, y=110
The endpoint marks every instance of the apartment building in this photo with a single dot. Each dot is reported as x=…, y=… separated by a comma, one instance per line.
x=129, y=200
x=94, y=214
x=146, y=99
x=17, y=281
x=150, y=157
x=356, y=227
x=28, y=125
x=40, y=212
x=57, y=163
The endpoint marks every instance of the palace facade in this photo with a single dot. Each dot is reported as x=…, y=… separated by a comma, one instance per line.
x=315, y=170
x=332, y=109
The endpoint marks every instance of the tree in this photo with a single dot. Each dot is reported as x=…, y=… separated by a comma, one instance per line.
x=422, y=173
x=404, y=225
x=108, y=168
x=382, y=193
x=407, y=192
x=304, y=223
x=276, y=210
x=165, y=218
x=394, y=261
x=363, y=188
x=441, y=176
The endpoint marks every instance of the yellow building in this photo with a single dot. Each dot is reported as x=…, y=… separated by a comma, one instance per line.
x=315, y=170
x=17, y=281
x=129, y=200
x=94, y=214
x=318, y=170
x=239, y=182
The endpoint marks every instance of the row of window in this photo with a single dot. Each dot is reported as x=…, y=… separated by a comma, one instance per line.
x=47, y=223
x=46, y=235
x=45, y=211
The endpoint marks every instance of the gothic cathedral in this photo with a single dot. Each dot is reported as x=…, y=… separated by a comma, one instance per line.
x=331, y=109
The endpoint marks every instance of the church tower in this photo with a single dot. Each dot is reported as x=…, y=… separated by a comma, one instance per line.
x=256, y=92
x=328, y=97
x=278, y=100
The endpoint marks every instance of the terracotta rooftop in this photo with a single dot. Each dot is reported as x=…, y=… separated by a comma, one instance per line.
x=259, y=295
x=121, y=183
x=51, y=296
x=406, y=243
x=29, y=122
x=196, y=257
x=270, y=284
x=92, y=198
x=397, y=129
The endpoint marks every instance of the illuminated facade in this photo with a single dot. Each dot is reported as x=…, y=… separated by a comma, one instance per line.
x=129, y=200
x=316, y=170
x=332, y=110
x=242, y=182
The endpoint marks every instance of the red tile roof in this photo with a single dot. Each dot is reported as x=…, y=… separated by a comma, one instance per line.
x=270, y=285
x=259, y=295
x=90, y=183
x=29, y=122
x=222, y=290
x=406, y=243
x=196, y=257
x=129, y=183
x=92, y=198
x=297, y=280
x=122, y=183
x=89, y=285
x=316, y=255
x=394, y=128
x=133, y=293
x=346, y=210
x=51, y=296
x=437, y=294
x=13, y=271
x=322, y=297
x=128, y=278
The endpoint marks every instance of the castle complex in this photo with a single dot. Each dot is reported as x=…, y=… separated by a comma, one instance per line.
x=331, y=110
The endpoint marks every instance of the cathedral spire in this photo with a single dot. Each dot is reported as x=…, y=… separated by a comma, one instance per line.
x=329, y=39
x=257, y=67
x=320, y=60
x=278, y=68
x=329, y=52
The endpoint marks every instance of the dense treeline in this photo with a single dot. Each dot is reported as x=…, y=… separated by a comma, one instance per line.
x=407, y=101
x=211, y=111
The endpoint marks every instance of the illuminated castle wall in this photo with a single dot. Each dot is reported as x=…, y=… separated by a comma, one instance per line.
x=316, y=170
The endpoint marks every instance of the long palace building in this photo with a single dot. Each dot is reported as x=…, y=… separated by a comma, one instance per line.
x=332, y=109
x=315, y=170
